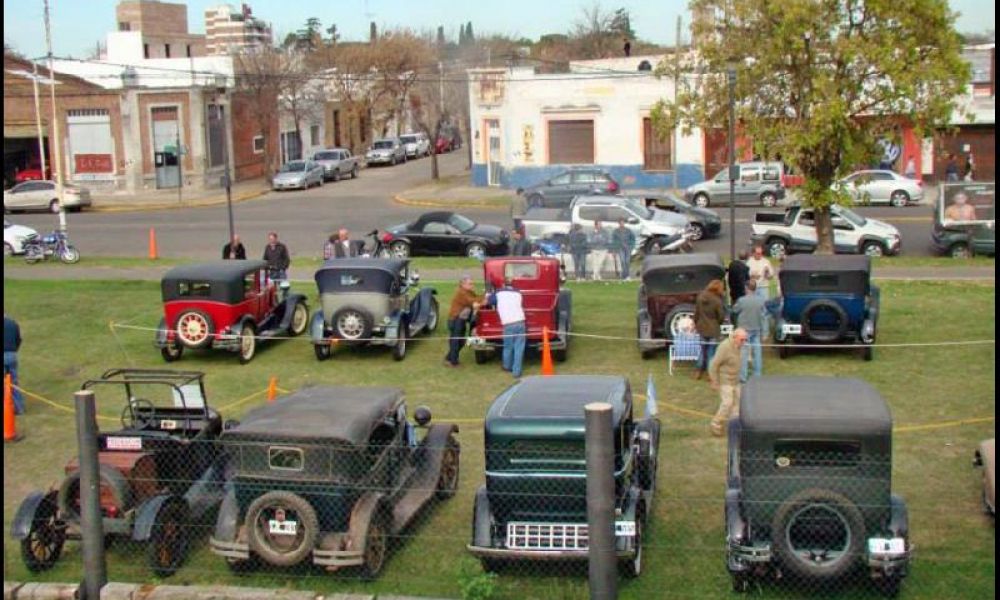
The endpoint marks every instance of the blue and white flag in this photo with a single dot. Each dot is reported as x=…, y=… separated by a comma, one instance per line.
x=651, y=406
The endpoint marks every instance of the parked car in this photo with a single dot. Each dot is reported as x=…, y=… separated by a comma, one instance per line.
x=962, y=239
x=331, y=476
x=15, y=236
x=559, y=191
x=794, y=230
x=670, y=285
x=371, y=301
x=986, y=457
x=809, y=486
x=416, y=144
x=337, y=163
x=161, y=475
x=534, y=503
x=226, y=305
x=447, y=233
x=298, y=174
x=387, y=151
x=41, y=195
x=443, y=145
x=704, y=222
x=827, y=300
x=547, y=307
x=882, y=186
x=757, y=184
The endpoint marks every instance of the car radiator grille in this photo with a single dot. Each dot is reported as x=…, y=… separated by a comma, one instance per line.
x=547, y=536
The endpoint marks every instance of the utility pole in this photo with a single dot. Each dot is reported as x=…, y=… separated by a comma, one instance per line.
x=225, y=177
x=677, y=82
x=180, y=168
x=55, y=139
x=38, y=119
x=441, y=89
x=731, y=75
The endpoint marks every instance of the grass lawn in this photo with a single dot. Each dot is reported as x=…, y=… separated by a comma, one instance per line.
x=68, y=339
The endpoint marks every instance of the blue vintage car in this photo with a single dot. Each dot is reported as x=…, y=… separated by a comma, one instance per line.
x=827, y=300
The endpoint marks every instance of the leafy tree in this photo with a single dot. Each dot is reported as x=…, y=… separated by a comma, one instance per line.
x=334, y=35
x=821, y=82
x=621, y=24
x=470, y=37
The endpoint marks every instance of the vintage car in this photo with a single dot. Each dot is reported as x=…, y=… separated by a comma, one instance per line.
x=546, y=306
x=226, y=305
x=827, y=300
x=670, y=285
x=161, y=475
x=963, y=235
x=371, y=301
x=809, y=493
x=331, y=476
x=986, y=457
x=534, y=503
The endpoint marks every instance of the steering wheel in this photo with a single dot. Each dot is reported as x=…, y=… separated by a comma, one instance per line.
x=131, y=414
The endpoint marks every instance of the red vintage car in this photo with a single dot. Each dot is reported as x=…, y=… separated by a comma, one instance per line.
x=546, y=305
x=227, y=305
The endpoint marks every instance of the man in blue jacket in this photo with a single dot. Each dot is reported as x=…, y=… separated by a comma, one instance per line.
x=11, y=344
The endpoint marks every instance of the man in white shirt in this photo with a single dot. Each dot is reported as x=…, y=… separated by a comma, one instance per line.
x=510, y=308
x=343, y=247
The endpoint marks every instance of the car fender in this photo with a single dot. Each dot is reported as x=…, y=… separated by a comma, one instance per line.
x=227, y=522
x=317, y=327
x=434, y=443
x=736, y=525
x=899, y=517
x=289, y=307
x=160, y=337
x=871, y=237
x=564, y=306
x=482, y=520
x=147, y=512
x=25, y=514
x=420, y=306
x=361, y=517
x=392, y=329
x=207, y=492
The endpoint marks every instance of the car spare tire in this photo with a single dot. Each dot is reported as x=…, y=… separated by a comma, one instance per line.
x=282, y=528
x=818, y=535
x=194, y=329
x=673, y=317
x=352, y=324
x=824, y=320
x=115, y=491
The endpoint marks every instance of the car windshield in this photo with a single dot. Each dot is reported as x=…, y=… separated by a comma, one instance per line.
x=638, y=208
x=296, y=166
x=325, y=156
x=852, y=216
x=408, y=139
x=675, y=200
x=461, y=223
x=382, y=145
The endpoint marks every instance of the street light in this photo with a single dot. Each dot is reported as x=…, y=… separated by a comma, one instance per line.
x=220, y=84
x=731, y=77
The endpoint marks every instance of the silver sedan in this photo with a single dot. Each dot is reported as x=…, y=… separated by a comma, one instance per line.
x=298, y=174
x=878, y=187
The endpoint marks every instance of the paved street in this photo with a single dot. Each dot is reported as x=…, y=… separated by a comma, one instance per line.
x=305, y=218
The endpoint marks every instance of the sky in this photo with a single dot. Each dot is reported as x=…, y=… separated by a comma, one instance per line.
x=77, y=25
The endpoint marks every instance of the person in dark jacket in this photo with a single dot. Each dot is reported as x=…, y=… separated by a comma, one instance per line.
x=11, y=344
x=277, y=257
x=234, y=250
x=519, y=245
x=709, y=313
x=579, y=247
x=623, y=240
x=737, y=274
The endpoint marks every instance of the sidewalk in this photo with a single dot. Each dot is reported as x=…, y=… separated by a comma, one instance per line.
x=169, y=198
x=456, y=192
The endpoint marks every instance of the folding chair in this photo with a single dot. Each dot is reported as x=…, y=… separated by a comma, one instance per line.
x=686, y=347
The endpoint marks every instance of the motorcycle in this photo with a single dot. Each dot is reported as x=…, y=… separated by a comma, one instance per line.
x=379, y=247
x=54, y=244
x=677, y=243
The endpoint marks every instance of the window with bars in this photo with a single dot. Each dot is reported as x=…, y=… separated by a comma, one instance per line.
x=656, y=154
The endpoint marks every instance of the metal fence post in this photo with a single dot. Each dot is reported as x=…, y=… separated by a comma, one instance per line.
x=91, y=526
x=599, y=439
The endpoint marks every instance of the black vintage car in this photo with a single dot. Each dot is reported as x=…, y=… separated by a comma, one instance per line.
x=161, y=473
x=371, y=301
x=447, y=233
x=330, y=476
x=809, y=486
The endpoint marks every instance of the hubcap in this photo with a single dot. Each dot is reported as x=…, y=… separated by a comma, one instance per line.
x=674, y=323
x=476, y=251
x=400, y=250
x=299, y=319
x=351, y=325
x=873, y=250
x=776, y=250
x=246, y=342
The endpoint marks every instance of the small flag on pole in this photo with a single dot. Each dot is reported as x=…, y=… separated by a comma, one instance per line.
x=651, y=406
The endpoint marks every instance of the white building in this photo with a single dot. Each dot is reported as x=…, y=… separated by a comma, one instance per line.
x=230, y=29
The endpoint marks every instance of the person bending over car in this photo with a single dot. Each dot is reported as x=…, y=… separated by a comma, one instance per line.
x=464, y=305
x=510, y=308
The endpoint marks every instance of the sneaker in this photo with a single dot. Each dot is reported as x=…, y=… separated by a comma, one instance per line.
x=715, y=429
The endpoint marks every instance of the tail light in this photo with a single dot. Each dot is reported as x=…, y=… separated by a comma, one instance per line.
x=387, y=237
x=919, y=183
x=613, y=187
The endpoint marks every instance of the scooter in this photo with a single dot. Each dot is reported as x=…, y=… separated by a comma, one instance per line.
x=54, y=244
x=677, y=243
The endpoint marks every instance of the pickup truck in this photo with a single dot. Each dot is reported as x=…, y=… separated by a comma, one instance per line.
x=650, y=225
x=337, y=163
x=795, y=231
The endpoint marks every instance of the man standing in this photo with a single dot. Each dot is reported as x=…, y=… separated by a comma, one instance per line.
x=750, y=312
x=951, y=169
x=598, y=242
x=724, y=372
x=343, y=247
x=738, y=274
x=510, y=308
x=234, y=250
x=579, y=249
x=11, y=344
x=277, y=258
x=519, y=245
x=464, y=304
x=623, y=240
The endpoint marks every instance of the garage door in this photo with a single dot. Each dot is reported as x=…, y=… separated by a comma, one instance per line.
x=571, y=142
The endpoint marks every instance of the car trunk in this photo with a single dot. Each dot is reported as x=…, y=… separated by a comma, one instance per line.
x=537, y=479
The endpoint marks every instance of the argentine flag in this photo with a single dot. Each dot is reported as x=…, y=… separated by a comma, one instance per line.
x=650, y=396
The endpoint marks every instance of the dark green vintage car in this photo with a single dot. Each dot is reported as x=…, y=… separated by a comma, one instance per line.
x=330, y=476
x=534, y=503
x=809, y=494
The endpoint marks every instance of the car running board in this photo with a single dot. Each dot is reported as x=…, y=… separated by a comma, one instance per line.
x=422, y=487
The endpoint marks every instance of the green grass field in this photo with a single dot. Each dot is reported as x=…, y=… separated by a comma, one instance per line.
x=67, y=326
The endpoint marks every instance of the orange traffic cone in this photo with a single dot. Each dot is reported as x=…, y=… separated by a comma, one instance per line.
x=272, y=389
x=9, y=424
x=152, y=244
x=547, y=368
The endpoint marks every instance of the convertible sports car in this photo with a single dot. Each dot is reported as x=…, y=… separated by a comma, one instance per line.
x=441, y=233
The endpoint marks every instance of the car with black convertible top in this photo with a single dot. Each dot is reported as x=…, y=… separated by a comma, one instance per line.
x=331, y=476
x=533, y=506
x=827, y=300
x=444, y=233
x=809, y=487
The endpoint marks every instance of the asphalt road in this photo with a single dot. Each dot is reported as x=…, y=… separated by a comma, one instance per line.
x=304, y=219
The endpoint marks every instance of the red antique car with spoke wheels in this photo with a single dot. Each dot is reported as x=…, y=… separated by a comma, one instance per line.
x=227, y=305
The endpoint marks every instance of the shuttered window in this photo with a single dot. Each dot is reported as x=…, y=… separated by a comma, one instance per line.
x=656, y=151
x=571, y=142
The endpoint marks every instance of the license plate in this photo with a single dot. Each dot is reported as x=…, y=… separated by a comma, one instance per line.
x=168, y=424
x=727, y=329
x=282, y=527
x=886, y=546
x=625, y=528
x=788, y=328
x=124, y=443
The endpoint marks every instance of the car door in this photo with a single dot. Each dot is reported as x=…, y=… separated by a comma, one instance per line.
x=441, y=238
x=803, y=232
x=718, y=187
x=846, y=237
x=587, y=182
x=33, y=194
x=558, y=192
x=748, y=185
x=881, y=187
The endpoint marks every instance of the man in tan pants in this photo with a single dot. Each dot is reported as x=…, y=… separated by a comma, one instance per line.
x=724, y=372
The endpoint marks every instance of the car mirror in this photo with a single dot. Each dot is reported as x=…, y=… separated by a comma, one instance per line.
x=422, y=416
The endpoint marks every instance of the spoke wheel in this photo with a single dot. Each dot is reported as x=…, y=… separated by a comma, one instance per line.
x=248, y=343
x=376, y=548
x=475, y=250
x=193, y=329
x=399, y=249
x=350, y=325
x=168, y=541
x=448, y=480
x=433, y=316
x=300, y=319
x=44, y=543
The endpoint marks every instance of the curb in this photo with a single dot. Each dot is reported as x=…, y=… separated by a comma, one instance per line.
x=399, y=199
x=213, y=201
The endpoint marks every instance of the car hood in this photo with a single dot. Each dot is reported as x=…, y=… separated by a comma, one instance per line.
x=704, y=213
x=665, y=217
x=18, y=231
x=881, y=227
x=290, y=176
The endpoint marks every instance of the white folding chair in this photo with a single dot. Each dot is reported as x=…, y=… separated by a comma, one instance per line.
x=685, y=347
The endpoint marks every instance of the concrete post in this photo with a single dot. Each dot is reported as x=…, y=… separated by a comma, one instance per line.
x=600, y=450
x=91, y=526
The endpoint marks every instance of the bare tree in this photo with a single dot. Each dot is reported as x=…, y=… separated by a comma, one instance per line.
x=301, y=95
x=433, y=104
x=260, y=74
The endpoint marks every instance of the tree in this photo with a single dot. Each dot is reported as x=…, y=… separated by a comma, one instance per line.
x=621, y=24
x=461, y=35
x=821, y=83
x=259, y=78
x=433, y=103
x=593, y=36
x=440, y=36
x=372, y=32
x=470, y=38
x=334, y=35
x=300, y=96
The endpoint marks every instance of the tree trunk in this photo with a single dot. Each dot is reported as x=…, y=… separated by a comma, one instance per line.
x=435, y=174
x=824, y=231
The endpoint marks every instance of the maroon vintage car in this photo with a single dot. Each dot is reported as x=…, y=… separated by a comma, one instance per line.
x=227, y=305
x=546, y=305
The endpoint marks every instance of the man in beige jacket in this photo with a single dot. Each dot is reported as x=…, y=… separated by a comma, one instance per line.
x=724, y=372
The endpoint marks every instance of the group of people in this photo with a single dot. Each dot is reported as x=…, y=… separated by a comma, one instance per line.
x=597, y=245
x=275, y=254
x=951, y=170
x=509, y=305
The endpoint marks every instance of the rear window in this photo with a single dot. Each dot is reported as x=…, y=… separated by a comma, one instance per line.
x=520, y=271
x=772, y=173
x=824, y=281
x=816, y=453
x=285, y=458
x=194, y=289
x=408, y=139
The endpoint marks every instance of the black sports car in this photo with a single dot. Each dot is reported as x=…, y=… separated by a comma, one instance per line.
x=705, y=223
x=447, y=233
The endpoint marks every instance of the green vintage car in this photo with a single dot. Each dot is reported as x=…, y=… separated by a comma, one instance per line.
x=534, y=503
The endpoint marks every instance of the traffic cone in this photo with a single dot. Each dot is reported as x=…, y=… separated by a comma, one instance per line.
x=152, y=244
x=272, y=389
x=9, y=423
x=547, y=368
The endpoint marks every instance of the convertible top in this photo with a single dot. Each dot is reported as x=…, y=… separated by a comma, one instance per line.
x=814, y=406
x=385, y=264
x=682, y=261
x=431, y=217
x=221, y=271
x=835, y=263
x=321, y=413
x=680, y=273
x=807, y=273
x=224, y=279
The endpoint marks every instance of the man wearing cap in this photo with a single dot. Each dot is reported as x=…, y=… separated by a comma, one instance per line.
x=510, y=308
x=464, y=305
x=724, y=372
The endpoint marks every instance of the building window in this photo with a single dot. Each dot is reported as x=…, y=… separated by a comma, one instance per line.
x=571, y=142
x=166, y=50
x=655, y=150
x=145, y=50
x=291, y=145
x=258, y=144
x=216, y=135
x=124, y=26
x=314, y=135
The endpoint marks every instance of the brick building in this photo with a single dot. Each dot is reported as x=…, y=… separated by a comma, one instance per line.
x=228, y=29
x=163, y=28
